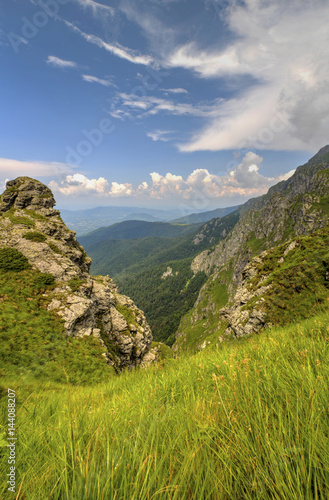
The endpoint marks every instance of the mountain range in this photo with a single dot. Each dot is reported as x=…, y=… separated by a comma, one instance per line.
x=205, y=267
x=236, y=408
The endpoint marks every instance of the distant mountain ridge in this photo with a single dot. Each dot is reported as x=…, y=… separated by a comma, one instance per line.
x=87, y=220
x=132, y=229
x=206, y=216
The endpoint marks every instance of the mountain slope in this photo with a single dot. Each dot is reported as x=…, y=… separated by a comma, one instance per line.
x=298, y=206
x=206, y=216
x=138, y=267
x=35, y=240
x=132, y=229
x=84, y=221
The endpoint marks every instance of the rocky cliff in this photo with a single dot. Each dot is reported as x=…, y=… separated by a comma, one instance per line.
x=298, y=206
x=87, y=305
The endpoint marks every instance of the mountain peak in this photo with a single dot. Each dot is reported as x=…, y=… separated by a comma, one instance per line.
x=27, y=193
x=321, y=156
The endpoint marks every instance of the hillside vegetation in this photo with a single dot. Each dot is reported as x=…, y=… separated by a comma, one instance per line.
x=248, y=420
x=138, y=266
x=295, y=208
x=206, y=216
x=132, y=229
x=32, y=339
x=284, y=285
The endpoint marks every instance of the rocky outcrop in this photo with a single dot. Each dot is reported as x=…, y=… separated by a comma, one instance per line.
x=292, y=208
x=87, y=305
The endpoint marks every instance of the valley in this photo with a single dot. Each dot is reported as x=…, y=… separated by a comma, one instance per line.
x=207, y=379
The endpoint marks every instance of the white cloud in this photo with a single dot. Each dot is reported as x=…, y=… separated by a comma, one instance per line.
x=79, y=185
x=15, y=168
x=151, y=105
x=283, y=46
x=159, y=135
x=96, y=7
x=175, y=91
x=120, y=189
x=101, y=81
x=243, y=181
x=116, y=49
x=60, y=63
x=238, y=183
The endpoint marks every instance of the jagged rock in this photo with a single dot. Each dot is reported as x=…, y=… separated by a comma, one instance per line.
x=87, y=305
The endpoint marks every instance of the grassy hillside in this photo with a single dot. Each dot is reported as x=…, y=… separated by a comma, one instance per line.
x=32, y=339
x=298, y=282
x=248, y=420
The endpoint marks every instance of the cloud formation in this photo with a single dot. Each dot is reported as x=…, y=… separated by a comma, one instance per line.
x=118, y=50
x=175, y=91
x=96, y=7
x=240, y=181
x=14, y=168
x=79, y=185
x=284, y=47
x=132, y=105
x=159, y=135
x=60, y=63
x=101, y=81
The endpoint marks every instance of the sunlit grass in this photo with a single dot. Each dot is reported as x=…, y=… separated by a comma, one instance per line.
x=247, y=421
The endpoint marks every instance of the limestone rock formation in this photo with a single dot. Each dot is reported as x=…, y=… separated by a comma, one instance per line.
x=87, y=305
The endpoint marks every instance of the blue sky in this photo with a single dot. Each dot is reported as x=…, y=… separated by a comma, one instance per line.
x=200, y=103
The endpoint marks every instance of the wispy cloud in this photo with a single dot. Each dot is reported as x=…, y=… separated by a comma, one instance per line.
x=159, y=135
x=151, y=105
x=175, y=91
x=60, y=63
x=118, y=50
x=101, y=81
x=96, y=7
x=14, y=168
x=284, y=48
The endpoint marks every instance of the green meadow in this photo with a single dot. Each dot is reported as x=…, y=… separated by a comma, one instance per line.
x=246, y=420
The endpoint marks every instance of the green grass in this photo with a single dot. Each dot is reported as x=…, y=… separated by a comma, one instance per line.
x=54, y=248
x=246, y=421
x=75, y=283
x=34, y=236
x=37, y=215
x=32, y=339
x=300, y=283
x=21, y=220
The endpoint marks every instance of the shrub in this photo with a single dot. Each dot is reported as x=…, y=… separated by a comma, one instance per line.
x=35, y=215
x=21, y=220
x=44, y=280
x=13, y=260
x=34, y=236
x=54, y=248
x=75, y=284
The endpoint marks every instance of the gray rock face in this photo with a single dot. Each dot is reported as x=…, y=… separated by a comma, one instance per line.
x=87, y=305
x=292, y=208
x=242, y=320
x=25, y=192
